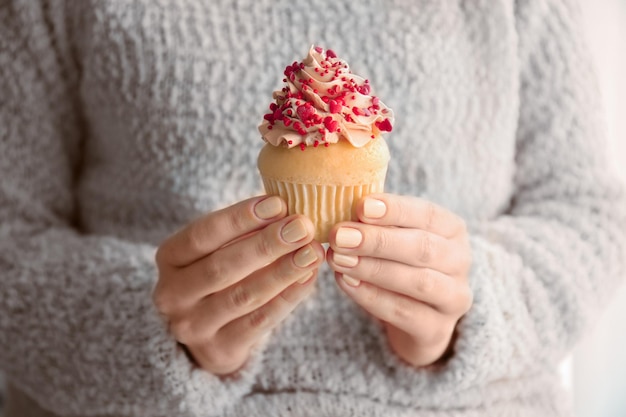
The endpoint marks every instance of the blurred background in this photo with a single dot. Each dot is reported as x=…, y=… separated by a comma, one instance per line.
x=597, y=372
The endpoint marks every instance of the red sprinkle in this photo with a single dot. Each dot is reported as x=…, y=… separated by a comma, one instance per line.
x=330, y=124
x=302, y=146
x=331, y=54
x=384, y=126
x=326, y=145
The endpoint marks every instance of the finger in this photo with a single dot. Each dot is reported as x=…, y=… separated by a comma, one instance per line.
x=247, y=330
x=410, y=212
x=441, y=291
x=232, y=263
x=218, y=309
x=413, y=247
x=218, y=228
x=410, y=316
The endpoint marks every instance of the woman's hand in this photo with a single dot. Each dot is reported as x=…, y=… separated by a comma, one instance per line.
x=406, y=263
x=227, y=279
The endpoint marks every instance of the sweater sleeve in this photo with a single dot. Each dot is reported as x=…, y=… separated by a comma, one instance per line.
x=542, y=270
x=79, y=333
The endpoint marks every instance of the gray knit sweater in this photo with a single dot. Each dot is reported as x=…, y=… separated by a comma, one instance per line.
x=120, y=121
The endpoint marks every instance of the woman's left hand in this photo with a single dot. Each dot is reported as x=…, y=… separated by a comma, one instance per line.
x=406, y=262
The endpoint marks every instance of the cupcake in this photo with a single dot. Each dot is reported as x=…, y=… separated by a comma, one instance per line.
x=323, y=146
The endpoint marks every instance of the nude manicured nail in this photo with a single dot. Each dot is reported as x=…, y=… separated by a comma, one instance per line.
x=347, y=261
x=374, y=209
x=348, y=237
x=294, y=231
x=353, y=282
x=268, y=208
x=305, y=256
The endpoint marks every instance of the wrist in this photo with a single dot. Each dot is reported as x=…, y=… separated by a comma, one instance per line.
x=418, y=354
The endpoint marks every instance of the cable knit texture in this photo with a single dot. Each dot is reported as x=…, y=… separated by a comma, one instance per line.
x=120, y=121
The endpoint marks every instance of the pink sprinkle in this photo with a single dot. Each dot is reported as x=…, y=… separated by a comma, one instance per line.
x=331, y=54
x=305, y=111
x=364, y=89
x=334, y=106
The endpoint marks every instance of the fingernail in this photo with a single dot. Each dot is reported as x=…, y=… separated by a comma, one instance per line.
x=374, y=209
x=268, y=208
x=347, y=261
x=348, y=237
x=294, y=231
x=305, y=279
x=353, y=282
x=305, y=256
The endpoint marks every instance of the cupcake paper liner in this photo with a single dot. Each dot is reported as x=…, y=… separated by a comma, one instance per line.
x=325, y=205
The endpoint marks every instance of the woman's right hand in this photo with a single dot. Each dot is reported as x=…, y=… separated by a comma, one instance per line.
x=227, y=279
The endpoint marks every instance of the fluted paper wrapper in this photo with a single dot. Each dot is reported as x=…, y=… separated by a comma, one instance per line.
x=325, y=205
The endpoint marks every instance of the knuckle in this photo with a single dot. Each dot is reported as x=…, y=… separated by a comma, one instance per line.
x=213, y=269
x=259, y=319
x=381, y=240
x=264, y=247
x=425, y=247
x=239, y=297
x=162, y=300
x=161, y=303
x=182, y=330
x=195, y=237
x=402, y=312
x=235, y=221
x=424, y=281
x=465, y=299
x=403, y=215
x=375, y=268
x=160, y=256
x=372, y=295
